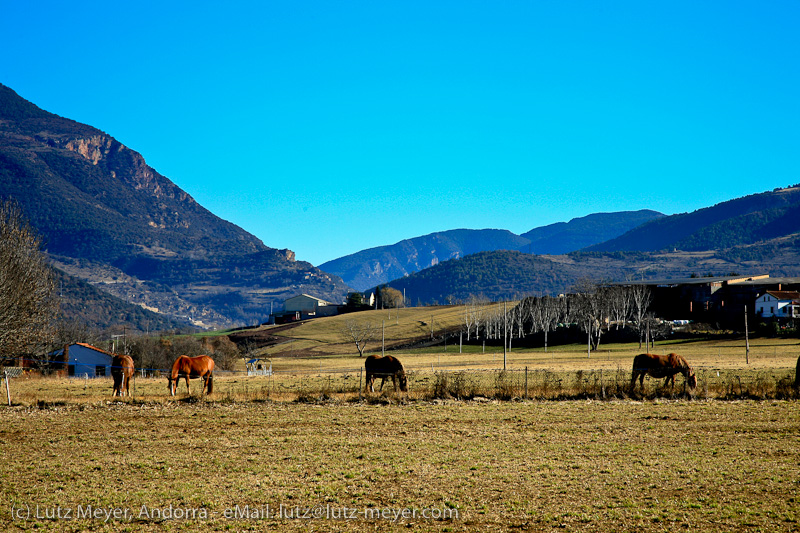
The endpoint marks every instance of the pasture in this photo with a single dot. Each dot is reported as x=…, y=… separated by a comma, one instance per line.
x=566, y=465
x=561, y=446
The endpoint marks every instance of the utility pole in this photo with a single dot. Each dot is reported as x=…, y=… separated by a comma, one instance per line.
x=589, y=341
x=746, y=338
x=505, y=334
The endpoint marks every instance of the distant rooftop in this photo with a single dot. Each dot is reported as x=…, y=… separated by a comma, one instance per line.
x=753, y=279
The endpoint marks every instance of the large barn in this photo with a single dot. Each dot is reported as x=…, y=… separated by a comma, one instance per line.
x=304, y=306
x=720, y=299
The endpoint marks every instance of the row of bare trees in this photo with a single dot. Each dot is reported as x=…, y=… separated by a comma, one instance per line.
x=592, y=306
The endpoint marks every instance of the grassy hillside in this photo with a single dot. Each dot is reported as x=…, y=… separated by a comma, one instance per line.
x=324, y=336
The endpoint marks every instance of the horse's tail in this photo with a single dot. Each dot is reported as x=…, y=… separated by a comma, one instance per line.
x=210, y=383
x=640, y=363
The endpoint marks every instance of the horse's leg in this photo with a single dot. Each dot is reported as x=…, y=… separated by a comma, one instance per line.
x=383, y=380
x=394, y=382
x=188, y=390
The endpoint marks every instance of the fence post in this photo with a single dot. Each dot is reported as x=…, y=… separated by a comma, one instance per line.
x=8, y=390
x=526, y=382
x=602, y=384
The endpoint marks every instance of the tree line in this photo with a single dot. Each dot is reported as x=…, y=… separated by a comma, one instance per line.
x=593, y=307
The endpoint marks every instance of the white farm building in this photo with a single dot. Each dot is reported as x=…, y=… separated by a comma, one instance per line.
x=778, y=304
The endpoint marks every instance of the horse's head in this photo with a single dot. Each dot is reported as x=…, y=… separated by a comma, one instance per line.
x=401, y=377
x=692, y=380
x=172, y=384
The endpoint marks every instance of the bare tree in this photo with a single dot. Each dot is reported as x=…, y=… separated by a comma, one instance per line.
x=28, y=305
x=469, y=319
x=640, y=297
x=70, y=331
x=545, y=314
x=477, y=310
x=619, y=300
x=588, y=308
x=358, y=333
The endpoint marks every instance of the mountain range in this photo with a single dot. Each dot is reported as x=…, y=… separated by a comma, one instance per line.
x=375, y=266
x=756, y=234
x=131, y=248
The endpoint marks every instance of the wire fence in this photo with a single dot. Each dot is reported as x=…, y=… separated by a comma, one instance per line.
x=518, y=384
x=458, y=382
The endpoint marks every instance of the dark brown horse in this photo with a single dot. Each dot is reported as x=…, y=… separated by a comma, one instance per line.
x=660, y=366
x=122, y=372
x=384, y=367
x=797, y=375
x=187, y=367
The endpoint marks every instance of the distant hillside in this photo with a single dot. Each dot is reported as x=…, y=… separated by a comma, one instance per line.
x=565, y=237
x=83, y=303
x=737, y=222
x=510, y=275
x=496, y=275
x=110, y=219
x=374, y=266
x=378, y=265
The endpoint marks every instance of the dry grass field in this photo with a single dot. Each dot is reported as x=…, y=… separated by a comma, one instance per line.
x=556, y=442
x=460, y=466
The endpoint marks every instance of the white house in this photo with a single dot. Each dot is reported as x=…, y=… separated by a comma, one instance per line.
x=778, y=304
x=84, y=360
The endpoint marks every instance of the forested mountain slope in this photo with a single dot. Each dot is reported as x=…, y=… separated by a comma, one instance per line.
x=740, y=221
x=374, y=266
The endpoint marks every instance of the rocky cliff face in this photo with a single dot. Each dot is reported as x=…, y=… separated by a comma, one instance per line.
x=102, y=209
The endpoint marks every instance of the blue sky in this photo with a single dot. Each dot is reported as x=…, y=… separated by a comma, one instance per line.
x=331, y=127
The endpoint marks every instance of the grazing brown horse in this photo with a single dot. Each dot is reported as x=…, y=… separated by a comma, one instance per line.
x=659, y=366
x=797, y=375
x=187, y=367
x=384, y=367
x=122, y=372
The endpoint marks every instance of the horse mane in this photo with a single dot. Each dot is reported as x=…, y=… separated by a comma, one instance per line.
x=678, y=361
